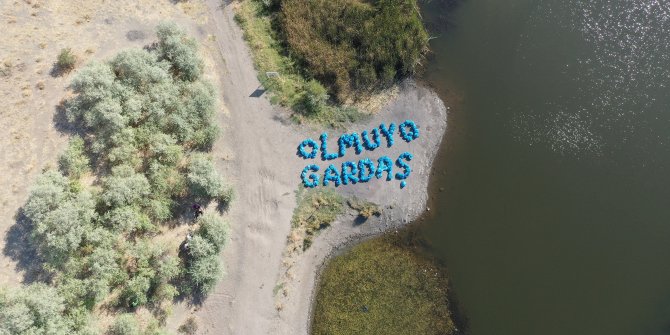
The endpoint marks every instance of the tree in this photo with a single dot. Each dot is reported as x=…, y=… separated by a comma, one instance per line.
x=214, y=229
x=125, y=187
x=203, y=273
x=125, y=324
x=61, y=216
x=178, y=49
x=203, y=180
x=34, y=309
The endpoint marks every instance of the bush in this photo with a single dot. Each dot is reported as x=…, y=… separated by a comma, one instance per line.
x=203, y=180
x=214, y=229
x=189, y=327
x=200, y=247
x=62, y=217
x=178, y=49
x=316, y=209
x=66, y=60
x=34, y=309
x=203, y=273
x=365, y=209
x=125, y=324
x=125, y=187
x=127, y=219
x=314, y=99
x=74, y=161
x=203, y=268
x=294, y=90
x=140, y=112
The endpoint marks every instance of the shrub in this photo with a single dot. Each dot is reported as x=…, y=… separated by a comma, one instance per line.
x=214, y=229
x=203, y=180
x=200, y=247
x=125, y=187
x=61, y=217
x=294, y=90
x=365, y=209
x=178, y=49
x=34, y=309
x=74, y=161
x=139, y=113
x=127, y=219
x=125, y=324
x=203, y=273
x=189, y=327
x=66, y=60
x=314, y=99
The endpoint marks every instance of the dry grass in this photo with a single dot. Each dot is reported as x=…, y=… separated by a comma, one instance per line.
x=316, y=210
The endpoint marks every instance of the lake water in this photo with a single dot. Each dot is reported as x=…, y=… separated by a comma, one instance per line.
x=551, y=194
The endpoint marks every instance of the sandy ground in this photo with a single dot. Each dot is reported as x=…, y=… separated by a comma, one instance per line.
x=265, y=292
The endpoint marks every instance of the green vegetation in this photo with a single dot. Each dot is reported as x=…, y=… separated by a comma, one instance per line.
x=66, y=60
x=307, y=97
x=353, y=45
x=382, y=287
x=146, y=119
x=39, y=309
x=330, y=52
x=316, y=210
x=203, y=269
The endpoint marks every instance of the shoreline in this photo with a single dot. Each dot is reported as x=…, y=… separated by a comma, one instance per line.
x=247, y=301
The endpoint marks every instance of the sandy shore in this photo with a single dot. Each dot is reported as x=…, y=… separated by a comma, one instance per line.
x=265, y=292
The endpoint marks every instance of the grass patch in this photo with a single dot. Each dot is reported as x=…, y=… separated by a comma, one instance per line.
x=306, y=97
x=381, y=287
x=316, y=210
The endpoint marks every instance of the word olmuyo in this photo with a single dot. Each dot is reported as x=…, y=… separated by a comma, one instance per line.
x=365, y=169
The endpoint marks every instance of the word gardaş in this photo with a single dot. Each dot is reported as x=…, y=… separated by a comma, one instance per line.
x=365, y=169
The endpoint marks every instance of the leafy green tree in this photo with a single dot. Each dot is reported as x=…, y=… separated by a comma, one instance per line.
x=203, y=273
x=214, y=229
x=199, y=247
x=125, y=187
x=34, y=309
x=125, y=324
x=178, y=49
x=203, y=179
x=61, y=216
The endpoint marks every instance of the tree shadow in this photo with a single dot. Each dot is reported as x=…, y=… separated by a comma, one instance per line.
x=19, y=248
x=62, y=124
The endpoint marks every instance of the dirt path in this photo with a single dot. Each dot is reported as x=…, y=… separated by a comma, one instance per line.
x=265, y=171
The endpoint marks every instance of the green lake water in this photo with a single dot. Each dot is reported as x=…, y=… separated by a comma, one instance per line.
x=550, y=200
